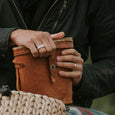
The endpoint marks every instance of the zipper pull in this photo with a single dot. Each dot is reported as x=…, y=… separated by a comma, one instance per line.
x=65, y=4
x=60, y=13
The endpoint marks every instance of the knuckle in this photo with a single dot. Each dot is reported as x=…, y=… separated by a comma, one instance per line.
x=37, y=35
x=42, y=51
x=47, y=33
x=41, y=35
x=82, y=61
x=35, y=39
x=35, y=54
x=79, y=74
x=49, y=50
x=74, y=51
x=44, y=35
x=29, y=41
x=54, y=48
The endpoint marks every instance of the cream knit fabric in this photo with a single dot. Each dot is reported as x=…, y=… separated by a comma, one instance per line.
x=21, y=103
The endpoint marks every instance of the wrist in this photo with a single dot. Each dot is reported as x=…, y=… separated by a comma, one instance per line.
x=12, y=37
x=78, y=84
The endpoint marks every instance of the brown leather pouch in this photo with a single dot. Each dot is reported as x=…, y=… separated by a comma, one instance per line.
x=40, y=75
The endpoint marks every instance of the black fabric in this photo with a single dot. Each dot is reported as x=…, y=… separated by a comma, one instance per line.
x=89, y=22
x=29, y=7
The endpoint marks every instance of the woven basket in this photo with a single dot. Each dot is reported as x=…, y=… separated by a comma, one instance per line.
x=21, y=103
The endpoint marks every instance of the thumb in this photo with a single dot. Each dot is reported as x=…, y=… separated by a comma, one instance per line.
x=58, y=35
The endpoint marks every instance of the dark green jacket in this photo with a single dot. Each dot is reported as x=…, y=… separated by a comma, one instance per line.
x=89, y=22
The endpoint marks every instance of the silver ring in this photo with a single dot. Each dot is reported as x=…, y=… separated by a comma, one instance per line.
x=41, y=46
x=75, y=66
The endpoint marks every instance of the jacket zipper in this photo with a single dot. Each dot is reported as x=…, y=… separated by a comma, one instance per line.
x=46, y=14
x=60, y=13
x=21, y=17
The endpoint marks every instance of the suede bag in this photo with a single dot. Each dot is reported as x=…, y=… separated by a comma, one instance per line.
x=40, y=75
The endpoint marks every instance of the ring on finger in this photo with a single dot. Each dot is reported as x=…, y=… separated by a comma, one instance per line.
x=41, y=46
x=75, y=66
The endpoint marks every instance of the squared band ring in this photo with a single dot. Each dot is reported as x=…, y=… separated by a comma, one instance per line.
x=41, y=46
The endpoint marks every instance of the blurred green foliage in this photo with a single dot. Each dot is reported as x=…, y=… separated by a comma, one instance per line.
x=105, y=104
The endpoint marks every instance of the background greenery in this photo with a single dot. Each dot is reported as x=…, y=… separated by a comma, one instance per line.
x=105, y=104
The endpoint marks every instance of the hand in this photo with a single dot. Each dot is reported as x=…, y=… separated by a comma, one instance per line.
x=72, y=60
x=33, y=39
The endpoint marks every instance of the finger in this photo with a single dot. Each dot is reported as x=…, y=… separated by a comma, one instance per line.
x=47, y=44
x=69, y=58
x=70, y=66
x=76, y=81
x=43, y=37
x=52, y=44
x=58, y=35
x=70, y=52
x=72, y=74
x=33, y=49
x=41, y=51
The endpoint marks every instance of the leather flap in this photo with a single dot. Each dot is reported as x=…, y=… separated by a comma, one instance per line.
x=61, y=43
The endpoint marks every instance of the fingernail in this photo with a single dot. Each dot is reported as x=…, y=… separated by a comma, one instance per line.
x=58, y=63
x=58, y=58
x=60, y=72
x=63, y=52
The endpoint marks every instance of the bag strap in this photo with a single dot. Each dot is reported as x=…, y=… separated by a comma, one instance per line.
x=18, y=66
x=52, y=67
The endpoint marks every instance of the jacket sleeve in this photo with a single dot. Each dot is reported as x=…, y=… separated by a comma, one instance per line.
x=99, y=77
x=4, y=40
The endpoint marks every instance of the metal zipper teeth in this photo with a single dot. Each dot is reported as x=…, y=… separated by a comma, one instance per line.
x=60, y=13
x=20, y=14
x=46, y=15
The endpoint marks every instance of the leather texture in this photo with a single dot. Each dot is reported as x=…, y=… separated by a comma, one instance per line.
x=40, y=75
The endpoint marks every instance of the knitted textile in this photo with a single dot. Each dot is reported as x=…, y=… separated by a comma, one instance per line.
x=21, y=103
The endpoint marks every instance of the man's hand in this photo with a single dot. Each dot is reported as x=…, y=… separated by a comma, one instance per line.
x=72, y=60
x=33, y=39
